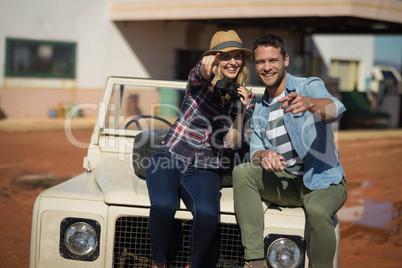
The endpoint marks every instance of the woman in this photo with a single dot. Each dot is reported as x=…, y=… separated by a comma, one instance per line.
x=185, y=166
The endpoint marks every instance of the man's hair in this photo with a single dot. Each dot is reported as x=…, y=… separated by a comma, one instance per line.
x=270, y=40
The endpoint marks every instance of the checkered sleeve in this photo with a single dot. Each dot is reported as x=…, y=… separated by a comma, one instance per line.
x=195, y=80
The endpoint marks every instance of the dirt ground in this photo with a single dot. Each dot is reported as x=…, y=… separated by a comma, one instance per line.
x=372, y=164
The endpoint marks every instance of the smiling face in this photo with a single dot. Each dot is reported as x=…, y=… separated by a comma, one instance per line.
x=270, y=67
x=230, y=64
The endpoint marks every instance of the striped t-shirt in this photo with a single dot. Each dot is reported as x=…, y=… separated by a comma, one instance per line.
x=279, y=138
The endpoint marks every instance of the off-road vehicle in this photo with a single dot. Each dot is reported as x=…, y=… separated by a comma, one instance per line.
x=100, y=217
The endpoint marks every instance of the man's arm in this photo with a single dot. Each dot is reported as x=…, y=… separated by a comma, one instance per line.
x=268, y=159
x=295, y=103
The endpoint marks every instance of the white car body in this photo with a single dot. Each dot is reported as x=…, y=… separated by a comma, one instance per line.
x=112, y=199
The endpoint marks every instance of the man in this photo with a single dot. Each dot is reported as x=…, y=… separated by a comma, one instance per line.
x=294, y=158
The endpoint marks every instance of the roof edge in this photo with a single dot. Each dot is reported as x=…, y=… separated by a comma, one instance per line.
x=382, y=10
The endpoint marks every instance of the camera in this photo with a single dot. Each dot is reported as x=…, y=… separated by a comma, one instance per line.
x=223, y=87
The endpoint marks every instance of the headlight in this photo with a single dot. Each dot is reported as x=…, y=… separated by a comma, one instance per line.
x=285, y=252
x=79, y=239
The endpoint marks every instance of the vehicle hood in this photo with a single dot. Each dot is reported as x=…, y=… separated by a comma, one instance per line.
x=120, y=186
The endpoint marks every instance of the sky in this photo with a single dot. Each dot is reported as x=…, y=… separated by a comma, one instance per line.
x=388, y=50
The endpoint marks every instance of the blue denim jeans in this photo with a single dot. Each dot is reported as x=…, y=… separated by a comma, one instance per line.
x=168, y=180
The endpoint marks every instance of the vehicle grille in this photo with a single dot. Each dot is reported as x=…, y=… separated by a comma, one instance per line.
x=132, y=246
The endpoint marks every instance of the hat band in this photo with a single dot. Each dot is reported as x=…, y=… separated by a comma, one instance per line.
x=227, y=44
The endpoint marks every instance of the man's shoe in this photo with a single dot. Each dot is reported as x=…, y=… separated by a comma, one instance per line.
x=256, y=264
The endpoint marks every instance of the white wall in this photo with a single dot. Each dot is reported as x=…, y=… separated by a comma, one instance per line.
x=105, y=48
x=101, y=51
x=347, y=47
x=84, y=22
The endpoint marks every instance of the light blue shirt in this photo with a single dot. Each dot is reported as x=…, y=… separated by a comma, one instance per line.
x=312, y=137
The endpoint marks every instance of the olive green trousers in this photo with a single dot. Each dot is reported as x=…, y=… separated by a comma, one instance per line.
x=251, y=183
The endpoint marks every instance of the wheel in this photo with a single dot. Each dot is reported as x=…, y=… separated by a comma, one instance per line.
x=146, y=144
x=138, y=118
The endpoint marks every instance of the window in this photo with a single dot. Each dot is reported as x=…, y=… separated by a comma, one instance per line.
x=347, y=72
x=33, y=58
x=388, y=75
x=185, y=61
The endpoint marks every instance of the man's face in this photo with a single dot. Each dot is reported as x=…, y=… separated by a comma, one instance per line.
x=270, y=65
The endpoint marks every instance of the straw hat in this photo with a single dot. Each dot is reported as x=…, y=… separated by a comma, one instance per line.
x=227, y=41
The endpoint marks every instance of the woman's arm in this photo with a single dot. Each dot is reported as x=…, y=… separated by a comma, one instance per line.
x=202, y=74
x=235, y=134
x=209, y=64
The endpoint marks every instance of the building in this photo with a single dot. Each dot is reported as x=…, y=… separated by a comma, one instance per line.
x=55, y=54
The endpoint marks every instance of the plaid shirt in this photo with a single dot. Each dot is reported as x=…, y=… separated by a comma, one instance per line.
x=197, y=137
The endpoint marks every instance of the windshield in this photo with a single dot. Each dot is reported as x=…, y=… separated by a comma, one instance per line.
x=137, y=104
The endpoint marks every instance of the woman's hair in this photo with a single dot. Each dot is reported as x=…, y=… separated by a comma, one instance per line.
x=241, y=79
